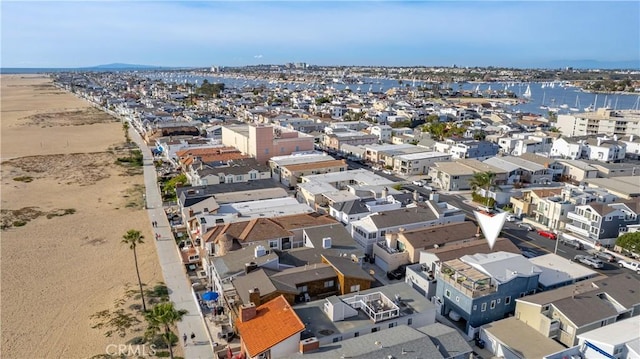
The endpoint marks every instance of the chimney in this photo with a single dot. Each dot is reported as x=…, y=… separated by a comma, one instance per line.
x=309, y=344
x=254, y=296
x=615, y=137
x=250, y=267
x=190, y=212
x=416, y=196
x=385, y=192
x=630, y=138
x=247, y=312
x=599, y=141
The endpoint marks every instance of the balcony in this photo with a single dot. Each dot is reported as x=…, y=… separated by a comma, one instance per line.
x=578, y=230
x=577, y=217
x=466, y=279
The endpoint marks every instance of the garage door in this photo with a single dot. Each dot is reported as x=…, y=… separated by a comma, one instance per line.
x=382, y=264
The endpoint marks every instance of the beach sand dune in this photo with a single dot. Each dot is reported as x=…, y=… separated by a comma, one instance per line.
x=62, y=261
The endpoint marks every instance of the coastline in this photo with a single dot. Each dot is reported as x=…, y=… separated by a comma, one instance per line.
x=58, y=270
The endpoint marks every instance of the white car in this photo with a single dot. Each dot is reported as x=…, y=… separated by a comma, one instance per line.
x=387, y=172
x=634, y=266
x=417, y=183
x=511, y=217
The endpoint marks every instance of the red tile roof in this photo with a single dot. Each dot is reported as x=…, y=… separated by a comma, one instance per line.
x=275, y=321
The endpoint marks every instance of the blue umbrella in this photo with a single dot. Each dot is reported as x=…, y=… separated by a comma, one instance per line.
x=210, y=295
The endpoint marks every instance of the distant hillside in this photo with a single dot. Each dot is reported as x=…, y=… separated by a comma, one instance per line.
x=119, y=66
x=595, y=64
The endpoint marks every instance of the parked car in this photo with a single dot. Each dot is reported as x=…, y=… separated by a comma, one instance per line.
x=590, y=261
x=485, y=209
x=387, y=172
x=511, y=218
x=419, y=183
x=526, y=226
x=572, y=243
x=607, y=257
x=634, y=266
x=397, y=273
x=547, y=234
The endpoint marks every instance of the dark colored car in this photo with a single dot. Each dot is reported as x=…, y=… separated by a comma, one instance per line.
x=547, y=234
x=573, y=243
x=397, y=273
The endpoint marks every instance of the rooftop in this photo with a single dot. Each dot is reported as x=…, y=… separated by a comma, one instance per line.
x=558, y=270
x=616, y=333
x=522, y=339
x=320, y=325
x=274, y=322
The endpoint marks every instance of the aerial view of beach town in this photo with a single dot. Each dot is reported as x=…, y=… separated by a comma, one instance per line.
x=320, y=180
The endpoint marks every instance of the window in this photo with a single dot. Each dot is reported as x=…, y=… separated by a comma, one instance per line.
x=375, y=329
x=507, y=300
x=328, y=284
x=447, y=293
x=239, y=178
x=409, y=321
x=493, y=304
x=391, y=325
x=337, y=339
x=356, y=334
x=302, y=289
x=483, y=307
x=253, y=175
x=475, y=307
x=355, y=288
x=521, y=294
x=266, y=151
x=273, y=244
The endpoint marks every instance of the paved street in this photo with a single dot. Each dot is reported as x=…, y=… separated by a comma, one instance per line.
x=530, y=241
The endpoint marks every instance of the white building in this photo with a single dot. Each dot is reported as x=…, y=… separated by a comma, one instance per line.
x=383, y=132
x=603, y=121
x=619, y=340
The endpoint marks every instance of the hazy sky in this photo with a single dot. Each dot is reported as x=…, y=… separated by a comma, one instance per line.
x=189, y=33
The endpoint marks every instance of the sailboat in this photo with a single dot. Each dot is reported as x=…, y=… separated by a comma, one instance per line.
x=576, y=108
x=592, y=107
x=527, y=92
x=542, y=105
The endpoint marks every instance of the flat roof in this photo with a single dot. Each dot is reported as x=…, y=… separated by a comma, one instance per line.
x=317, y=322
x=625, y=185
x=453, y=168
x=314, y=165
x=617, y=333
x=422, y=155
x=556, y=270
x=522, y=339
x=265, y=208
x=360, y=176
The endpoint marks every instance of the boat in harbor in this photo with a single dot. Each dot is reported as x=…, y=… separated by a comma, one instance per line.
x=527, y=92
x=576, y=107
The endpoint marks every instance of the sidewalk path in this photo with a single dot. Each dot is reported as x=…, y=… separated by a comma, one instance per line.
x=173, y=270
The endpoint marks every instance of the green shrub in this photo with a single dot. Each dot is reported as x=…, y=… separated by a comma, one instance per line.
x=19, y=223
x=25, y=179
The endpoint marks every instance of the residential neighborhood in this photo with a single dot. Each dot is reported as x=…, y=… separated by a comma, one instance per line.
x=335, y=223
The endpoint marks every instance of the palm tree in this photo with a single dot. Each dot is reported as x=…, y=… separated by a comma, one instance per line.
x=125, y=128
x=133, y=238
x=164, y=316
x=483, y=180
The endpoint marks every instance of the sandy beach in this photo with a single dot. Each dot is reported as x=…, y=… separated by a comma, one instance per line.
x=65, y=206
